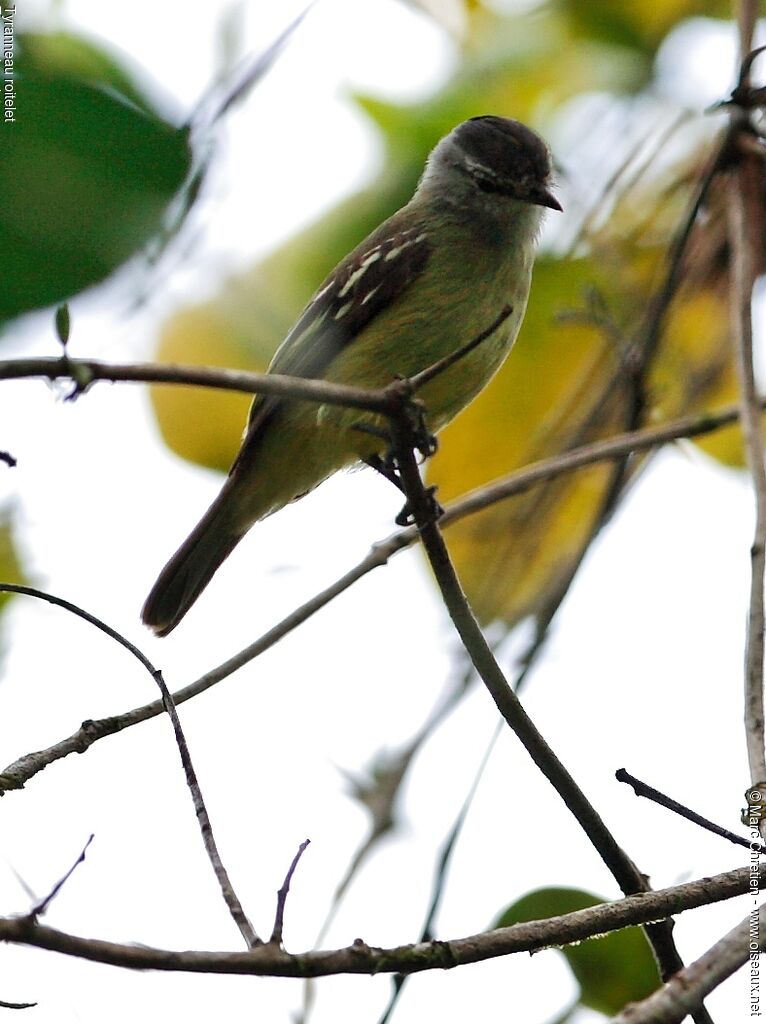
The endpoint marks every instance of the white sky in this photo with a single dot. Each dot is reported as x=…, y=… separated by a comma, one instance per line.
x=649, y=645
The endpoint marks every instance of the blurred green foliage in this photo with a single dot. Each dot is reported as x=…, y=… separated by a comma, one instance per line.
x=87, y=172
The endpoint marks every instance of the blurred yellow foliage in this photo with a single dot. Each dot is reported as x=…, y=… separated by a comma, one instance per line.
x=202, y=425
x=10, y=566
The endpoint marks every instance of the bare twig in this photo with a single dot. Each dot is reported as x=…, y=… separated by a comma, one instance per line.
x=279, y=917
x=15, y=1006
x=684, y=993
x=642, y=789
x=42, y=905
x=230, y=897
x=744, y=200
x=9, y=460
x=359, y=958
x=25, y=768
x=422, y=378
x=616, y=447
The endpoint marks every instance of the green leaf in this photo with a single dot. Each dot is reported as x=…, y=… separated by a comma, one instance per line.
x=87, y=175
x=611, y=970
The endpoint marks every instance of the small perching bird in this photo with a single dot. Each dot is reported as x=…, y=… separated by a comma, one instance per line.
x=425, y=283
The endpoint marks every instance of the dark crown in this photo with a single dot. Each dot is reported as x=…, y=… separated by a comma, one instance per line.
x=505, y=156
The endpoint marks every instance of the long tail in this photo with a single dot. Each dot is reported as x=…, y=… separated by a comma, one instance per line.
x=190, y=570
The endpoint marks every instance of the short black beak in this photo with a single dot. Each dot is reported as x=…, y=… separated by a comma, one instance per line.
x=543, y=197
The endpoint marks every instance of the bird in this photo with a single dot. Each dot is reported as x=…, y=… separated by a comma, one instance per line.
x=422, y=285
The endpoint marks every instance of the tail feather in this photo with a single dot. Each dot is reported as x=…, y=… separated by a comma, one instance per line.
x=188, y=572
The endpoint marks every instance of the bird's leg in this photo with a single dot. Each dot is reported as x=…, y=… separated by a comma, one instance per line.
x=383, y=464
x=435, y=512
x=387, y=465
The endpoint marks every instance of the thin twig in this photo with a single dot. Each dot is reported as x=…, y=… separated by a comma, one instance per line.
x=227, y=889
x=42, y=905
x=619, y=174
x=684, y=993
x=230, y=897
x=422, y=378
x=9, y=460
x=279, y=917
x=25, y=768
x=359, y=958
x=625, y=872
x=252, y=70
x=642, y=789
x=616, y=447
x=15, y=1006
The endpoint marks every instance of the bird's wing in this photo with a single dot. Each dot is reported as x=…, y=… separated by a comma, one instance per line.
x=378, y=271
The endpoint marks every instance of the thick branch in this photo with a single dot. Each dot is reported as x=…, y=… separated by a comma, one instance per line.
x=744, y=197
x=360, y=958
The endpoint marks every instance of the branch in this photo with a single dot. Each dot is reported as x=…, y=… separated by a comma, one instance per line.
x=19, y=772
x=625, y=872
x=684, y=993
x=86, y=372
x=745, y=223
x=359, y=958
x=230, y=897
x=616, y=447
